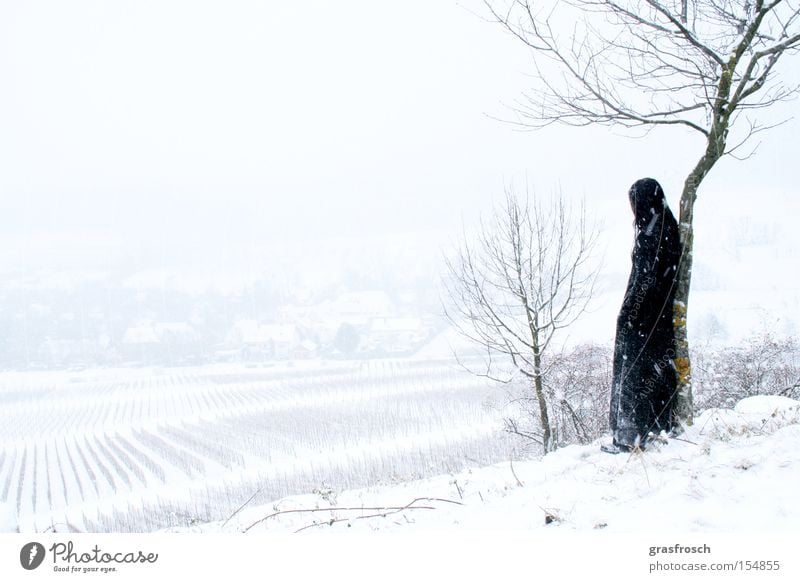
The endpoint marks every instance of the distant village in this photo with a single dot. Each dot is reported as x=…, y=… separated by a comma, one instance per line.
x=355, y=324
x=51, y=332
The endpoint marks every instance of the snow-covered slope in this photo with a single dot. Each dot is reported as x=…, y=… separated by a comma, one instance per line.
x=733, y=470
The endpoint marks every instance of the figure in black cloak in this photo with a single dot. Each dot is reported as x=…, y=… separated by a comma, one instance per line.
x=645, y=381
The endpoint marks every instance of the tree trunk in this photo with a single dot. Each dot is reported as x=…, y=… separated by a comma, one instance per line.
x=716, y=141
x=684, y=401
x=683, y=408
x=544, y=417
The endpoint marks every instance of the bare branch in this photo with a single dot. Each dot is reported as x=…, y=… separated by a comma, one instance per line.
x=647, y=64
x=686, y=33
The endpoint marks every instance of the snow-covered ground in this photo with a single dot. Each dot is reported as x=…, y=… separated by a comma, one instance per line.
x=733, y=470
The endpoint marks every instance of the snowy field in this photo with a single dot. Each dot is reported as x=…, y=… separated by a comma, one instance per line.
x=141, y=450
x=733, y=471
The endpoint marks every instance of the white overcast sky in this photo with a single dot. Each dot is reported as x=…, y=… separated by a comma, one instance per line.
x=212, y=121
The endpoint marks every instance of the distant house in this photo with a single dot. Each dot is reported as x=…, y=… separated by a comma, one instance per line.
x=140, y=343
x=264, y=341
x=170, y=342
x=358, y=308
x=305, y=349
x=177, y=332
x=140, y=335
x=396, y=334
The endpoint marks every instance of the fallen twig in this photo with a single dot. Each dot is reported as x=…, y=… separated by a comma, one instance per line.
x=242, y=506
x=513, y=472
x=383, y=512
x=674, y=438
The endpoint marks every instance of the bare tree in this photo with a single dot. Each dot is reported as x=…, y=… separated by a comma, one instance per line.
x=703, y=65
x=526, y=276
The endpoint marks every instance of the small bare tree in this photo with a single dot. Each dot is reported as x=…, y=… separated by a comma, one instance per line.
x=703, y=65
x=526, y=276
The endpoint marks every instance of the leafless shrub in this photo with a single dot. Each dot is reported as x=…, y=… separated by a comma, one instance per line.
x=578, y=384
x=765, y=365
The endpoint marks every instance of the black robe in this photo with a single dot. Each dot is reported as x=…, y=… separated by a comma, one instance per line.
x=644, y=376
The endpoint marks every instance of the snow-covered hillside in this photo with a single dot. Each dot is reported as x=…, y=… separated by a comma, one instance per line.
x=734, y=470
